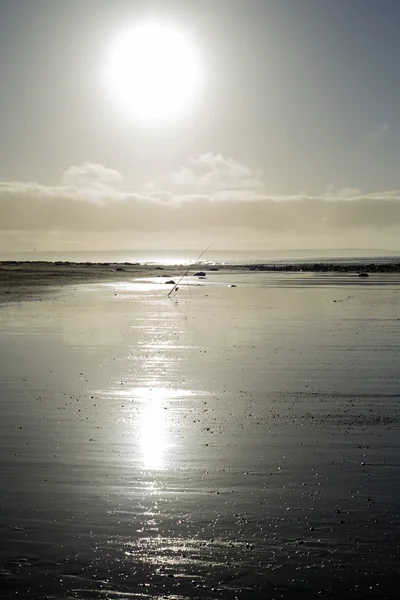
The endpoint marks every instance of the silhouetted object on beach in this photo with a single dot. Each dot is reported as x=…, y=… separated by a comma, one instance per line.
x=363, y=274
x=188, y=269
x=200, y=274
x=170, y=282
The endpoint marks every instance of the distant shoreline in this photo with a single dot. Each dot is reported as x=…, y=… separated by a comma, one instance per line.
x=18, y=269
x=27, y=280
x=328, y=267
x=305, y=265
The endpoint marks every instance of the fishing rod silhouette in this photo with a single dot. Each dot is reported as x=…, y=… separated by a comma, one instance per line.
x=188, y=269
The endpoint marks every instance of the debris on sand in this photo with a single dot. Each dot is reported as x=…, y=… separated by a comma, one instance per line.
x=363, y=274
x=200, y=274
x=232, y=285
x=170, y=282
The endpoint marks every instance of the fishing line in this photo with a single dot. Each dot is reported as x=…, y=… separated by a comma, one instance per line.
x=188, y=269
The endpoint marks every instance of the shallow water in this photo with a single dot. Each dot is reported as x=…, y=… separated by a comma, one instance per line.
x=224, y=443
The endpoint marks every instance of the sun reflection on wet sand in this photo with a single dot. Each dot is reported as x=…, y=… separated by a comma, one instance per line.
x=155, y=424
x=153, y=428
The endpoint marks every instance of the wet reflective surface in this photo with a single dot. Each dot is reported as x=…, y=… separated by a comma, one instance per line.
x=224, y=443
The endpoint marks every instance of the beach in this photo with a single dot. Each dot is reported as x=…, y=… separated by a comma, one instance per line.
x=237, y=439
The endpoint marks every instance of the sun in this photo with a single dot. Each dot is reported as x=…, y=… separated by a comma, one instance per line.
x=153, y=71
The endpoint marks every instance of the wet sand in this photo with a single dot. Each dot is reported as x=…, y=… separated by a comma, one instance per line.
x=226, y=443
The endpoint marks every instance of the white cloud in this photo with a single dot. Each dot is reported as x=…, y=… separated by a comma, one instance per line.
x=348, y=193
x=91, y=175
x=213, y=173
x=383, y=129
x=209, y=193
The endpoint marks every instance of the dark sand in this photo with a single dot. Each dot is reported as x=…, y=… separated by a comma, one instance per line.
x=228, y=443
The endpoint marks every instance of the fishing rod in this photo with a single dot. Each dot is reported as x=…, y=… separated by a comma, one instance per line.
x=188, y=269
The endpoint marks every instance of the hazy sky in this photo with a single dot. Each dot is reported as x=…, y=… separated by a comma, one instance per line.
x=291, y=140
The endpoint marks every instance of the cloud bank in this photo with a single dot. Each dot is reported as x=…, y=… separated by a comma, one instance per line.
x=210, y=192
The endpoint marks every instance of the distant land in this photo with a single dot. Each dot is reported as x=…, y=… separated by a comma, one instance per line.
x=172, y=256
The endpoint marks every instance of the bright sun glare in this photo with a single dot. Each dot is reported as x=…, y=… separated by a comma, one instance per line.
x=153, y=71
